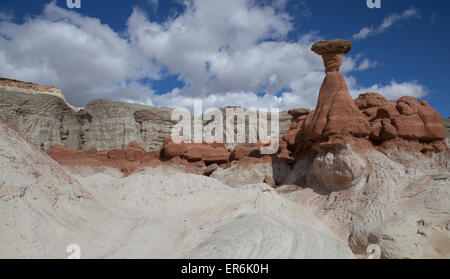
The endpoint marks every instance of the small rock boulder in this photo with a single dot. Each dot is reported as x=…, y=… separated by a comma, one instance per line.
x=339, y=169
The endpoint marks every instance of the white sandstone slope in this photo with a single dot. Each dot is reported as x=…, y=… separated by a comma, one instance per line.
x=43, y=209
x=401, y=201
x=256, y=236
x=155, y=213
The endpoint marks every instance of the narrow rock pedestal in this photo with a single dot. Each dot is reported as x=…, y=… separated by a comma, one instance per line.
x=335, y=113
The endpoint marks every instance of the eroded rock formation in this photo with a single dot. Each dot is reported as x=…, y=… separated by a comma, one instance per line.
x=11, y=85
x=370, y=121
x=42, y=119
x=402, y=122
x=110, y=124
x=47, y=119
x=342, y=168
x=335, y=113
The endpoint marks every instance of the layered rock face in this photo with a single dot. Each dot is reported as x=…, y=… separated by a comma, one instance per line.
x=47, y=119
x=42, y=119
x=11, y=85
x=447, y=128
x=109, y=124
x=242, y=115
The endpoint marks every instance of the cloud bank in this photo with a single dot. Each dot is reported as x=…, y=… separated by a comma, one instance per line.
x=226, y=52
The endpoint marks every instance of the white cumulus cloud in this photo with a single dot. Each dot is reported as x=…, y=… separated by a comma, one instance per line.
x=394, y=90
x=232, y=52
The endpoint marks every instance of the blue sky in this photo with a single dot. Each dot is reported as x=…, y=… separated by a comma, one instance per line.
x=248, y=53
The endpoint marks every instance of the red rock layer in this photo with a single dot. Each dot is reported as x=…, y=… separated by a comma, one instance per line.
x=127, y=160
x=190, y=157
x=405, y=123
x=209, y=153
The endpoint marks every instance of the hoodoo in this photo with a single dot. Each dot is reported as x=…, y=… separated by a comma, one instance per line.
x=369, y=121
x=335, y=113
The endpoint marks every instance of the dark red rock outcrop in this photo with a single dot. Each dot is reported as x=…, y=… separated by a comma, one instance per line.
x=209, y=153
x=128, y=159
x=402, y=121
x=190, y=157
x=132, y=152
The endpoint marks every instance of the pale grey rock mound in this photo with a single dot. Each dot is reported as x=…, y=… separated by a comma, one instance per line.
x=47, y=119
x=447, y=129
x=110, y=124
x=447, y=126
x=43, y=119
x=339, y=169
x=284, y=122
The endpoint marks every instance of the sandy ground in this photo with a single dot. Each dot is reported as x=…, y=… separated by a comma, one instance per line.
x=154, y=213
